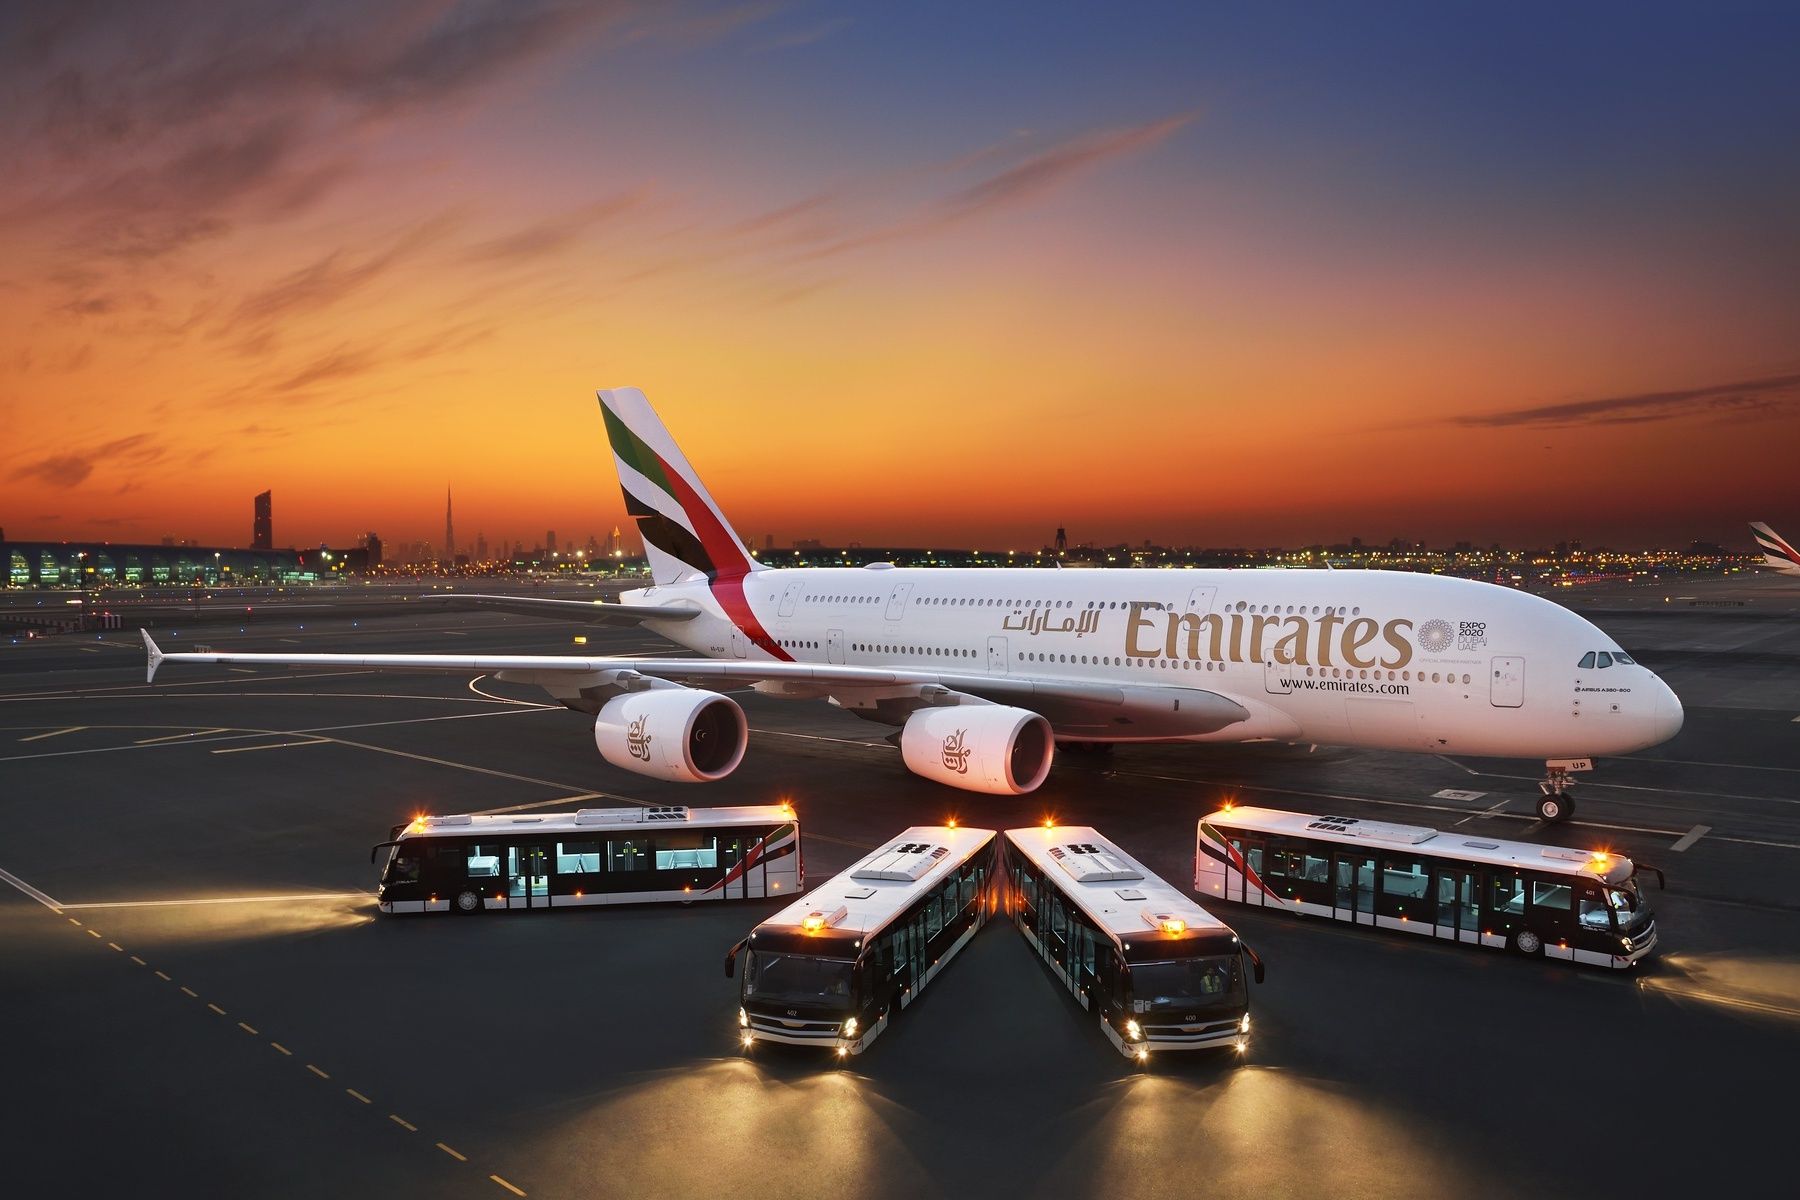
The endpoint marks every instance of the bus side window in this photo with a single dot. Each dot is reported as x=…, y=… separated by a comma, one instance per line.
x=1595, y=915
x=1550, y=895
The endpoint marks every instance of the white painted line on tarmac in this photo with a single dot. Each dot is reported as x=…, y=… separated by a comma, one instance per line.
x=1691, y=836
x=813, y=737
x=273, y=746
x=38, y=737
x=1456, y=794
x=513, y=808
x=211, y=899
x=47, y=901
x=175, y=737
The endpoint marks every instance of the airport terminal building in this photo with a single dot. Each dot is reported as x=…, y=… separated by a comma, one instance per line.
x=98, y=564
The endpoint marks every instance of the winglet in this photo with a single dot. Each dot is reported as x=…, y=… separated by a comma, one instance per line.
x=156, y=656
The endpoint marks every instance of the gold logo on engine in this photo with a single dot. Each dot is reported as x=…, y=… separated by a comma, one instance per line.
x=637, y=739
x=956, y=754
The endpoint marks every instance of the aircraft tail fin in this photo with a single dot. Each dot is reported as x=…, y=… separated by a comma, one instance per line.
x=1777, y=551
x=685, y=535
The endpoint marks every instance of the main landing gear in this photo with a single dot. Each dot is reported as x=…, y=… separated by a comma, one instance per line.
x=1556, y=804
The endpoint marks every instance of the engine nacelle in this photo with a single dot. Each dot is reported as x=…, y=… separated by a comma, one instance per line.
x=979, y=747
x=681, y=734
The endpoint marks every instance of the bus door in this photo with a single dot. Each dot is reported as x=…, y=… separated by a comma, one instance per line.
x=1458, y=915
x=1353, y=886
x=1502, y=906
x=1237, y=883
x=1552, y=915
x=528, y=876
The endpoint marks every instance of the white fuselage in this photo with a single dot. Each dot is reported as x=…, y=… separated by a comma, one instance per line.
x=1359, y=658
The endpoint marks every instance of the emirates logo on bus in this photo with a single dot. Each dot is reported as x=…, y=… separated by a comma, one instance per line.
x=637, y=739
x=956, y=754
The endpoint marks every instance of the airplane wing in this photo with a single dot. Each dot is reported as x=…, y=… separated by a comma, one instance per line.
x=1074, y=708
x=590, y=612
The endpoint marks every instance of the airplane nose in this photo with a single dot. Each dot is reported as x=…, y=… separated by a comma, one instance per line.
x=1669, y=715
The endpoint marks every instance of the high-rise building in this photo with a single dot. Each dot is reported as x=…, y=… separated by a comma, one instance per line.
x=372, y=544
x=481, y=547
x=449, y=529
x=549, y=542
x=262, y=530
x=1062, y=539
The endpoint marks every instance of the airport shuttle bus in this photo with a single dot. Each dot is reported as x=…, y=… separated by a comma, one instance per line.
x=834, y=969
x=1161, y=972
x=1576, y=905
x=469, y=864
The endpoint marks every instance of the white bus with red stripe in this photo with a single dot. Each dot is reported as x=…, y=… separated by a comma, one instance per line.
x=1159, y=971
x=516, y=863
x=834, y=970
x=1577, y=905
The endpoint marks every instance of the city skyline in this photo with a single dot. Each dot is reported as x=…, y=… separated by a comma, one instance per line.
x=1447, y=275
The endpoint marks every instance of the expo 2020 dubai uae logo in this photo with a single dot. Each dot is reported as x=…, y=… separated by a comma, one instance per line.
x=1435, y=636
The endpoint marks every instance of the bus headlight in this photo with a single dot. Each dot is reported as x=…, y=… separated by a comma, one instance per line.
x=743, y=1019
x=849, y=1026
x=1133, y=1031
x=1244, y=1025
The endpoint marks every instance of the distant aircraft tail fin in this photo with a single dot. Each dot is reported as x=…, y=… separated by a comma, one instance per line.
x=1778, y=552
x=685, y=535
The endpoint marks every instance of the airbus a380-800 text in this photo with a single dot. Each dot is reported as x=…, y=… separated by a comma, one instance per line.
x=985, y=670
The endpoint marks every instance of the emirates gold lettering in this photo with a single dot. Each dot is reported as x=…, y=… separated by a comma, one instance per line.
x=1332, y=640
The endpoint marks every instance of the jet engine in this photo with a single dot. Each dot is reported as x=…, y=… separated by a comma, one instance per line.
x=681, y=734
x=979, y=747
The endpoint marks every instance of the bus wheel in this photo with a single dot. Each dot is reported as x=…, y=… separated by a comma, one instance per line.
x=1528, y=943
x=468, y=901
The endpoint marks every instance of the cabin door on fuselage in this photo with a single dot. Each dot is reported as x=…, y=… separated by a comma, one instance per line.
x=834, y=645
x=996, y=656
x=896, y=606
x=1506, y=682
x=790, y=597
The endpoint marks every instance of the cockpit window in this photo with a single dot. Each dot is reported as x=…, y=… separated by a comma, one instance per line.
x=1619, y=656
x=1587, y=661
x=1605, y=659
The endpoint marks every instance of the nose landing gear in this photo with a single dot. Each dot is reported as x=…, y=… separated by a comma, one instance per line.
x=1557, y=804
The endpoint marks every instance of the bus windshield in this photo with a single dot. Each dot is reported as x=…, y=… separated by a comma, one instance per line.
x=797, y=979
x=1628, y=904
x=1215, y=981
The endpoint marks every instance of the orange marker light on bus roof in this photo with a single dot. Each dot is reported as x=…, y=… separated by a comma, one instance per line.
x=1049, y=822
x=950, y=822
x=1173, y=925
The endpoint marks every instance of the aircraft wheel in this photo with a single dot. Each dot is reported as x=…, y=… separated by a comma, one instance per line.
x=1555, y=807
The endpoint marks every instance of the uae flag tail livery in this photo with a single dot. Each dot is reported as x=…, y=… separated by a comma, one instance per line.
x=1777, y=551
x=685, y=535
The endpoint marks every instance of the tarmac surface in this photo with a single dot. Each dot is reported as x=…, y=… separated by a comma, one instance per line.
x=199, y=997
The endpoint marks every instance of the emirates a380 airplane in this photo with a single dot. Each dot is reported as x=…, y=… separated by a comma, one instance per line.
x=984, y=670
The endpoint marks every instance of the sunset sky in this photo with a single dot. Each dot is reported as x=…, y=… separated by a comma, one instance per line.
x=922, y=274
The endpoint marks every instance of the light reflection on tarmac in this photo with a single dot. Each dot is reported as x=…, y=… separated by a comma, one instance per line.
x=730, y=1126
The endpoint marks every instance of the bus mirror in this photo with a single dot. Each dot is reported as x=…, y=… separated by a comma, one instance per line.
x=1256, y=962
x=376, y=849
x=731, y=958
x=1661, y=883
